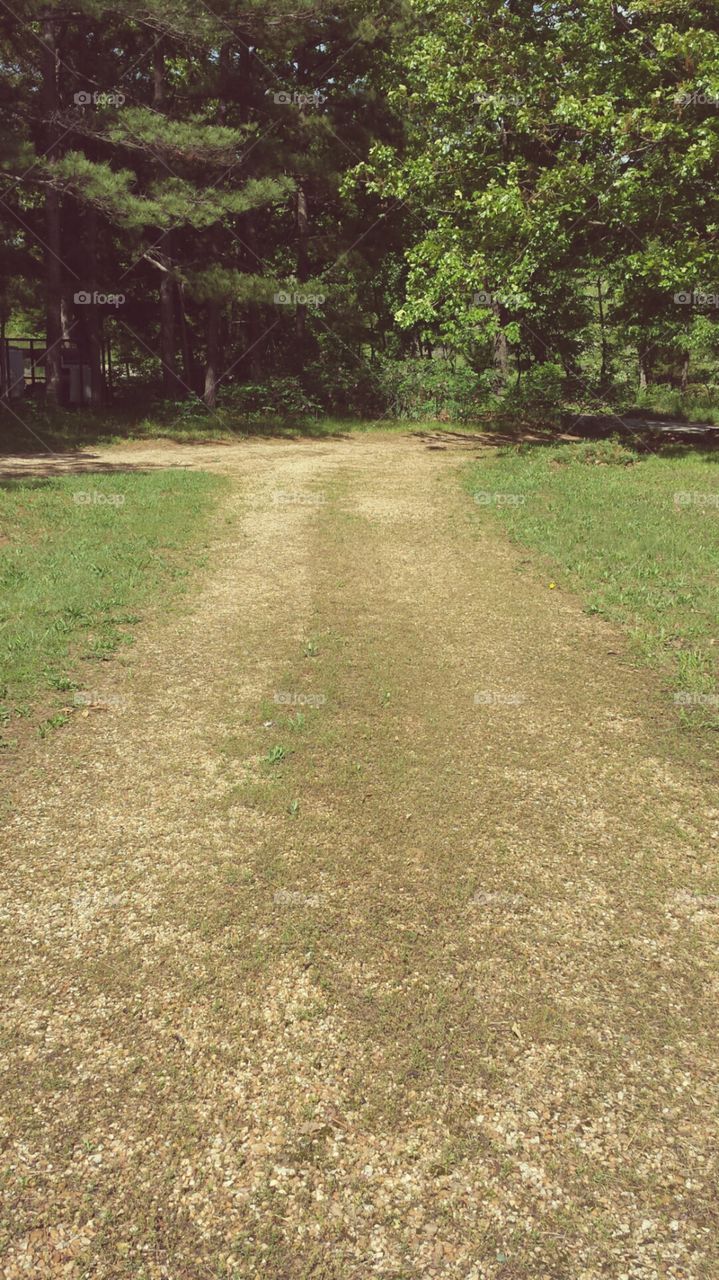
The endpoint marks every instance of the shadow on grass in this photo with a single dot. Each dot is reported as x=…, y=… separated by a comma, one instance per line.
x=64, y=434
x=38, y=469
x=38, y=436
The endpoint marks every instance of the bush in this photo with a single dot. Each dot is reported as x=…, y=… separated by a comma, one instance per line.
x=431, y=389
x=346, y=387
x=608, y=453
x=187, y=410
x=535, y=400
x=276, y=397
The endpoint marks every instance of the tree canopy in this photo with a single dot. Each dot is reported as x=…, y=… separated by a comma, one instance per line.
x=336, y=196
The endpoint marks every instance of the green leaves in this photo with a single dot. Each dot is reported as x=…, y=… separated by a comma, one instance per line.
x=544, y=144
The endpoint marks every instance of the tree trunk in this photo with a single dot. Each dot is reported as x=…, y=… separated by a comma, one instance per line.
x=92, y=318
x=4, y=361
x=302, y=220
x=213, y=352
x=107, y=365
x=158, y=75
x=500, y=348
x=170, y=384
x=644, y=371
x=500, y=355
x=187, y=367
x=224, y=68
x=255, y=344
x=82, y=324
x=684, y=382
x=54, y=276
x=250, y=365
x=67, y=322
x=604, y=371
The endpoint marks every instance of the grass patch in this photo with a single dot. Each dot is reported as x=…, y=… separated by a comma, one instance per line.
x=636, y=535
x=78, y=556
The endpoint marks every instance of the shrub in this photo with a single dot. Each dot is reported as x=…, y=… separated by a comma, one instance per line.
x=344, y=386
x=431, y=389
x=535, y=400
x=275, y=397
x=189, y=409
x=607, y=453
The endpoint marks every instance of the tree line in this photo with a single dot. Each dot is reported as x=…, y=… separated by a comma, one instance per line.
x=359, y=200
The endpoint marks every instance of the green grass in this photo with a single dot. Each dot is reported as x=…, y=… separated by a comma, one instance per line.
x=79, y=555
x=616, y=534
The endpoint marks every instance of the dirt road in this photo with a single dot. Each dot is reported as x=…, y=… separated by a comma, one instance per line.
x=366, y=926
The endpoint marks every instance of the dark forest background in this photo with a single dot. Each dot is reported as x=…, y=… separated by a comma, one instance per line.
x=436, y=209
